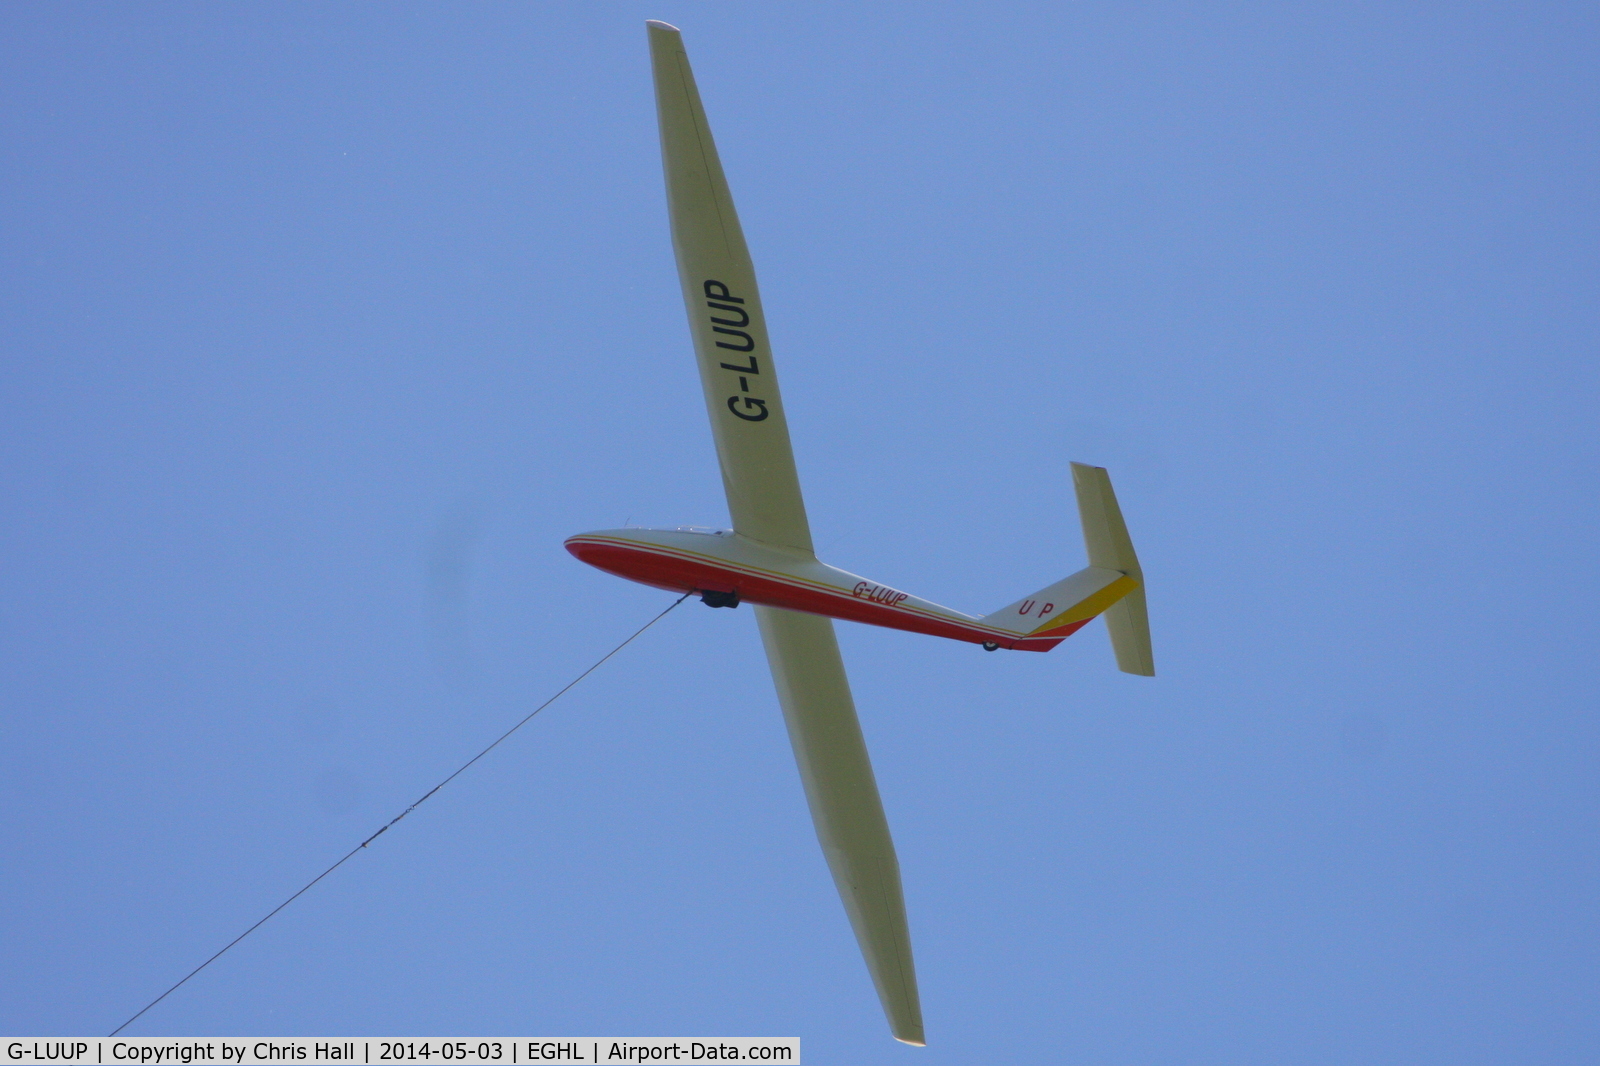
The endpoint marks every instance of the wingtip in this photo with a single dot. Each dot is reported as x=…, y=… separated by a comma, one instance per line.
x=656, y=24
x=909, y=1030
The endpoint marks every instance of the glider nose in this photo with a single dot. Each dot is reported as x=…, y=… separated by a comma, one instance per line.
x=605, y=553
x=618, y=552
x=581, y=549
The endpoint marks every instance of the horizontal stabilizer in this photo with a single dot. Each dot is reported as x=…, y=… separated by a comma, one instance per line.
x=1110, y=548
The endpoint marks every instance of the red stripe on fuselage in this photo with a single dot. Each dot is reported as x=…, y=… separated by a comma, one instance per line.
x=667, y=569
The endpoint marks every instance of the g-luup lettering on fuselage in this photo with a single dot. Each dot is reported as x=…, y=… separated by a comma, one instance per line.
x=723, y=302
x=883, y=594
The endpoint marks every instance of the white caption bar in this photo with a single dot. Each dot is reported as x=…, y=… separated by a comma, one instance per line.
x=381, y=1051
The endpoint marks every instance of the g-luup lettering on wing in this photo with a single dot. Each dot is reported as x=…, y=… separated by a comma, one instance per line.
x=749, y=403
x=716, y=290
x=749, y=341
x=742, y=320
x=720, y=298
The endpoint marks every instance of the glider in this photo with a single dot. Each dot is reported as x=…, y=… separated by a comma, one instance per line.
x=766, y=559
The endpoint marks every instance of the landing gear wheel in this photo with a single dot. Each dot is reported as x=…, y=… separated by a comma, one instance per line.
x=990, y=645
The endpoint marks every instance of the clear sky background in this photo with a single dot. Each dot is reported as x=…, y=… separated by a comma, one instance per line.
x=323, y=325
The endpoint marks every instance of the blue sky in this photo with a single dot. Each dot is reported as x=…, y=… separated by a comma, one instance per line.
x=325, y=324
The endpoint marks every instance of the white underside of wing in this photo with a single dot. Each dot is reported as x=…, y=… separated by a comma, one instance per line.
x=845, y=806
x=725, y=317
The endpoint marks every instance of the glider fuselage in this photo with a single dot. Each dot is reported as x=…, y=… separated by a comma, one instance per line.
x=722, y=561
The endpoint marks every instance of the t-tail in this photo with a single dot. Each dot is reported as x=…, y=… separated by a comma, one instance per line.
x=1111, y=585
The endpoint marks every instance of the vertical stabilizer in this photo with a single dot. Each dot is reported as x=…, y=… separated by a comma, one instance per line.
x=1106, y=537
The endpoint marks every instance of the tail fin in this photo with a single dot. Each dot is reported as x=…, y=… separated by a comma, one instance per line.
x=1112, y=585
x=1106, y=537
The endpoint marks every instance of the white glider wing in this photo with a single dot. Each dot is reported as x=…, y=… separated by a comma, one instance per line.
x=843, y=794
x=752, y=438
x=730, y=332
